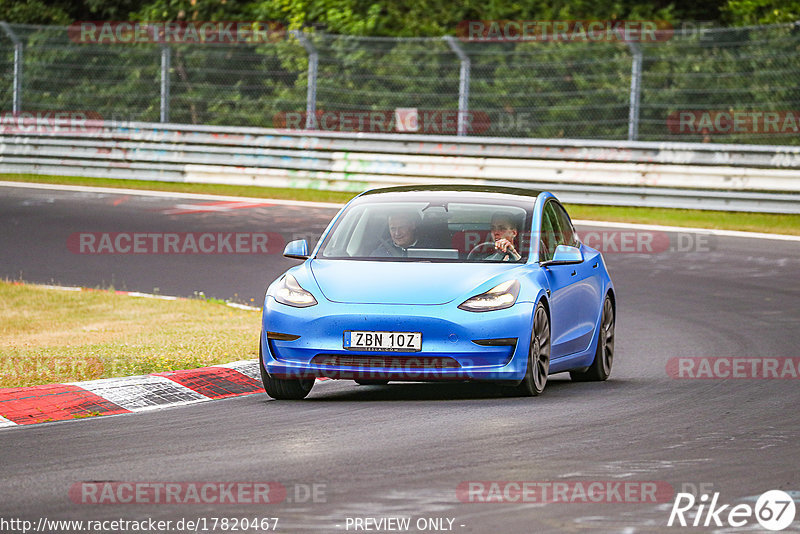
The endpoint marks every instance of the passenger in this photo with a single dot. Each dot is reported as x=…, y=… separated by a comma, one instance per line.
x=403, y=230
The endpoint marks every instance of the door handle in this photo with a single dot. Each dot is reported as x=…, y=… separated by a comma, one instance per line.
x=594, y=266
x=574, y=273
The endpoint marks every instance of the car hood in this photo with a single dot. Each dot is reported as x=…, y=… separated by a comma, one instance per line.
x=378, y=282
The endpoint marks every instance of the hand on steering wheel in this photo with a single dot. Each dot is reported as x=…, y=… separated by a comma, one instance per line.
x=487, y=246
x=506, y=247
x=492, y=246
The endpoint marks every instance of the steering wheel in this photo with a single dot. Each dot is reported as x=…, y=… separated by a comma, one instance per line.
x=479, y=247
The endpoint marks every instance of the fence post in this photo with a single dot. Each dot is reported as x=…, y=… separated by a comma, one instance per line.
x=16, y=105
x=636, y=91
x=311, y=93
x=166, y=60
x=463, y=84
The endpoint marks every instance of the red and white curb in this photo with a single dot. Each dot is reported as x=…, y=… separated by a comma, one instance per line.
x=59, y=402
x=109, y=396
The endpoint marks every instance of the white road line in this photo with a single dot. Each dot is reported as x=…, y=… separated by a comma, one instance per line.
x=242, y=306
x=142, y=295
x=724, y=233
x=61, y=288
x=148, y=295
x=217, y=207
x=169, y=194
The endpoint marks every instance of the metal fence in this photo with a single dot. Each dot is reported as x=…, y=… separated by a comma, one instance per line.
x=569, y=90
x=625, y=173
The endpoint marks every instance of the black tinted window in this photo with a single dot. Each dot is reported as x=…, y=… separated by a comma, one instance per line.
x=566, y=234
x=548, y=238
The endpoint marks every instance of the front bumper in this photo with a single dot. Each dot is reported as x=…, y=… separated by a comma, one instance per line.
x=449, y=351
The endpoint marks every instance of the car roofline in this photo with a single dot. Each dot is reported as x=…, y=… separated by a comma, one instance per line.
x=454, y=188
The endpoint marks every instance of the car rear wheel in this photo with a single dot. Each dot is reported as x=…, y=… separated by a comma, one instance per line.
x=366, y=382
x=283, y=388
x=538, y=356
x=604, y=356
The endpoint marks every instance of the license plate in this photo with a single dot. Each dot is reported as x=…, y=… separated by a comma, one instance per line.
x=383, y=341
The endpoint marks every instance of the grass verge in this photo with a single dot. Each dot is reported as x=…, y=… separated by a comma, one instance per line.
x=719, y=220
x=51, y=336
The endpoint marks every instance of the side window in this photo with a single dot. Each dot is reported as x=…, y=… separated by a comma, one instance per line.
x=566, y=235
x=549, y=233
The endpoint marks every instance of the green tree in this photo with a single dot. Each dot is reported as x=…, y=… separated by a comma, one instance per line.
x=32, y=12
x=741, y=12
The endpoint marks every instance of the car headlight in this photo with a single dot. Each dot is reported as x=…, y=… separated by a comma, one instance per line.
x=499, y=297
x=290, y=293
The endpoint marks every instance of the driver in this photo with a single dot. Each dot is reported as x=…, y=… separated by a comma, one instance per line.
x=403, y=229
x=504, y=231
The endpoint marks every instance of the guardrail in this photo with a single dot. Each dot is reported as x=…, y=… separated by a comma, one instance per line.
x=676, y=175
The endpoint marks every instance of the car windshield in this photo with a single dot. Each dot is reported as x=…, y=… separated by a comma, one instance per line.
x=450, y=228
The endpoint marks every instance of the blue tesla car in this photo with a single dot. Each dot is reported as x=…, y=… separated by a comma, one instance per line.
x=429, y=283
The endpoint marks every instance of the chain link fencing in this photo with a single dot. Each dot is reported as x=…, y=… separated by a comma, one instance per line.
x=691, y=87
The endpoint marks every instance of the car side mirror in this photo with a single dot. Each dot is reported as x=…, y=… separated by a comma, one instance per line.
x=297, y=250
x=565, y=255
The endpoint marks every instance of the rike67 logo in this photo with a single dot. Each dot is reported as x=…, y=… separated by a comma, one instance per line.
x=774, y=510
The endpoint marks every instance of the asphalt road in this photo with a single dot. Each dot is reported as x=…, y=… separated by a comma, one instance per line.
x=402, y=450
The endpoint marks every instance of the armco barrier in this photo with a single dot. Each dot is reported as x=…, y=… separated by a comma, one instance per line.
x=699, y=176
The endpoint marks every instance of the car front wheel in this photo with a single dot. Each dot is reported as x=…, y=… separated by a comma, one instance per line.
x=283, y=388
x=538, y=355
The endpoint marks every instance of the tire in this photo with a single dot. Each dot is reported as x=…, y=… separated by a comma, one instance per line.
x=367, y=382
x=280, y=388
x=538, y=356
x=604, y=356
